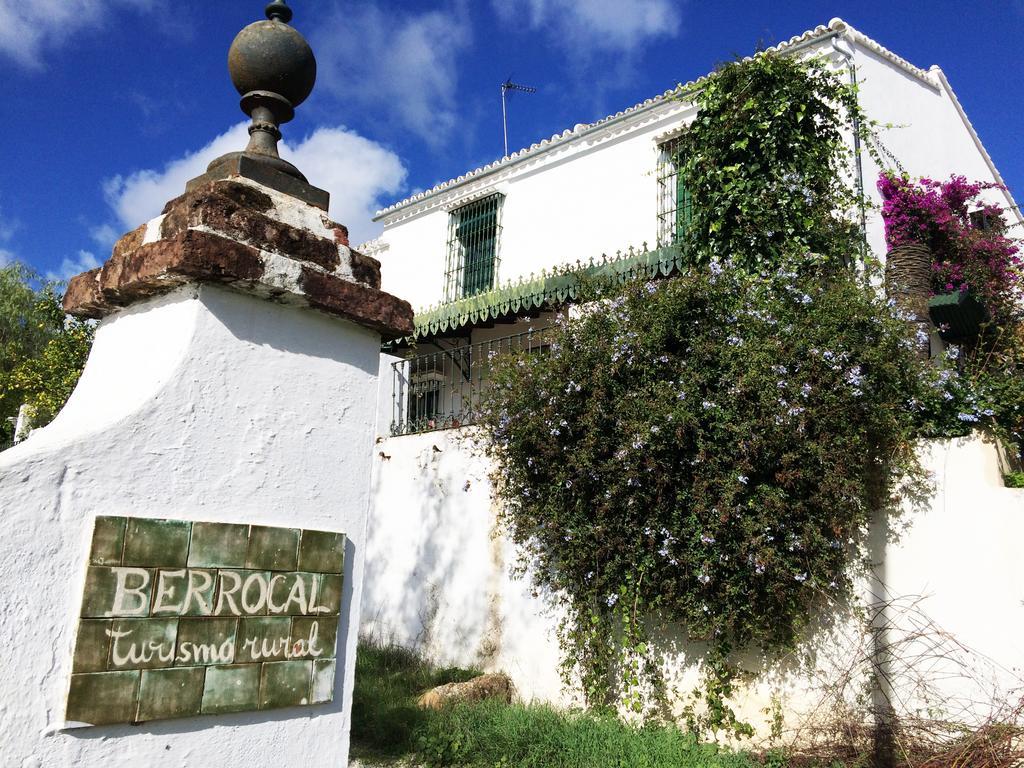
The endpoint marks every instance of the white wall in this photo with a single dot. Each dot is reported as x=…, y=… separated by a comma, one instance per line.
x=597, y=192
x=201, y=405
x=437, y=579
x=439, y=575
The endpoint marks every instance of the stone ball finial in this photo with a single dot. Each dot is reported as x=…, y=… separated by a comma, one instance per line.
x=272, y=65
x=274, y=70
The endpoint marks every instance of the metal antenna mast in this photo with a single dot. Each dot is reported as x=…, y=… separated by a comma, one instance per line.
x=507, y=86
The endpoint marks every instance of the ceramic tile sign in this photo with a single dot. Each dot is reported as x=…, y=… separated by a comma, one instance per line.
x=183, y=618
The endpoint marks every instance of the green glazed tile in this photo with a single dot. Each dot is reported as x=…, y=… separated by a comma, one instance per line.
x=275, y=549
x=242, y=593
x=142, y=643
x=292, y=593
x=328, y=600
x=167, y=693
x=314, y=636
x=218, y=545
x=262, y=639
x=107, y=540
x=285, y=684
x=232, y=689
x=322, y=552
x=160, y=543
x=92, y=646
x=102, y=698
x=322, y=689
x=184, y=592
x=101, y=590
x=202, y=642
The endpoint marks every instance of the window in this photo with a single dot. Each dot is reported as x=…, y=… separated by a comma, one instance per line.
x=473, y=233
x=675, y=207
x=982, y=220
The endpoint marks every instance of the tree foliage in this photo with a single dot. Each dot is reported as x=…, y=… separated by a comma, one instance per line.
x=42, y=351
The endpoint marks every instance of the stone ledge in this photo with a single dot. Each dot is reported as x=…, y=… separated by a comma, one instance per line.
x=240, y=212
x=227, y=233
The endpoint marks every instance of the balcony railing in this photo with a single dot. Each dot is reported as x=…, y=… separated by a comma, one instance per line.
x=444, y=389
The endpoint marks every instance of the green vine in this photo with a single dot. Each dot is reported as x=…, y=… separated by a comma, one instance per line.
x=766, y=164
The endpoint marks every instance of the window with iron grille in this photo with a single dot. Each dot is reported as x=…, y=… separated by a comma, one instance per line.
x=473, y=234
x=675, y=207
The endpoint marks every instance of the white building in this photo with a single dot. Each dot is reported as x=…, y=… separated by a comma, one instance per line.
x=609, y=186
x=470, y=255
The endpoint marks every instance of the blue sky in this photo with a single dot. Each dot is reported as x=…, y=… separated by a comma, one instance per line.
x=110, y=106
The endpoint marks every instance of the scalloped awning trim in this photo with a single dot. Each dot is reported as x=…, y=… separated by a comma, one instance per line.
x=547, y=291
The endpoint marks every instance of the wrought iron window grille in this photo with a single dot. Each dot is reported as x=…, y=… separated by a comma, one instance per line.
x=675, y=206
x=474, y=236
x=445, y=389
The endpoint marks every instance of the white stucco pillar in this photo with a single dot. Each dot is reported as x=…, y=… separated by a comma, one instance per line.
x=233, y=379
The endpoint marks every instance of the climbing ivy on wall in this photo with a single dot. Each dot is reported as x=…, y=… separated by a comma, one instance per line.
x=767, y=165
x=705, y=452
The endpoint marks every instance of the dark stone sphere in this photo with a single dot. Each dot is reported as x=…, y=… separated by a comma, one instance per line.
x=271, y=56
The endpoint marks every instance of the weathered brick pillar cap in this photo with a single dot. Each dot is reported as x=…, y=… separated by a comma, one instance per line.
x=239, y=234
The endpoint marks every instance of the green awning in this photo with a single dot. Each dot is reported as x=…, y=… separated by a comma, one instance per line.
x=547, y=291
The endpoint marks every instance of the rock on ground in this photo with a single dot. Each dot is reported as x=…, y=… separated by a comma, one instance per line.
x=496, y=686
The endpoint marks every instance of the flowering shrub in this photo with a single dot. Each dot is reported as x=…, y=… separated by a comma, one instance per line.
x=982, y=384
x=980, y=387
x=972, y=252
x=705, y=452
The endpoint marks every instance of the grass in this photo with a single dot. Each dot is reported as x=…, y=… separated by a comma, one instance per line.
x=492, y=734
x=387, y=724
x=385, y=717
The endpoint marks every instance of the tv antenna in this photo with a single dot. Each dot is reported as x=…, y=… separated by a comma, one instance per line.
x=506, y=87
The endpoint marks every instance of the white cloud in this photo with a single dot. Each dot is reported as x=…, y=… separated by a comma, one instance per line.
x=402, y=64
x=142, y=195
x=105, y=235
x=7, y=228
x=31, y=27
x=596, y=25
x=76, y=266
x=356, y=171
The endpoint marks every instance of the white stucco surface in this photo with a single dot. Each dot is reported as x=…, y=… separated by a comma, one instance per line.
x=438, y=579
x=204, y=405
x=440, y=576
